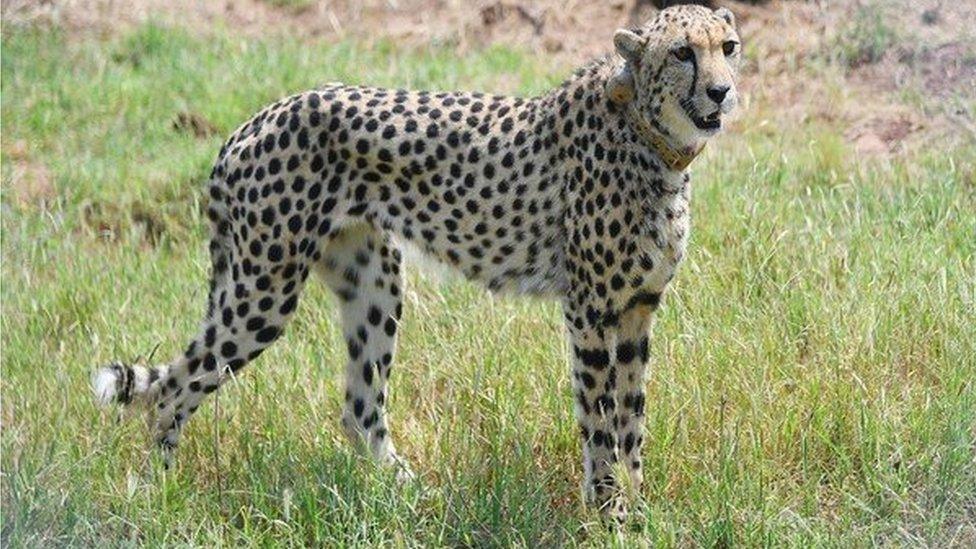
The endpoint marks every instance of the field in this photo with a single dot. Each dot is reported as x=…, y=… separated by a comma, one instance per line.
x=814, y=367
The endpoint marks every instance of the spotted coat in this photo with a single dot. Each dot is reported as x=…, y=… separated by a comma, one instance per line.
x=564, y=195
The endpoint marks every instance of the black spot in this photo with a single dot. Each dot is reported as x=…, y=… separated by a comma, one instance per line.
x=626, y=352
x=651, y=299
x=289, y=305
x=628, y=443
x=354, y=349
x=374, y=316
x=267, y=335
x=275, y=252
x=255, y=323
x=587, y=380
x=228, y=349
x=594, y=358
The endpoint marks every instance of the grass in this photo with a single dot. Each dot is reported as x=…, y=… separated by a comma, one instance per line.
x=293, y=4
x=813, y=368
x=865, y=38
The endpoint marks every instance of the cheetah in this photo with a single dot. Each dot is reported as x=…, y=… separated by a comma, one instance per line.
x=581, y=194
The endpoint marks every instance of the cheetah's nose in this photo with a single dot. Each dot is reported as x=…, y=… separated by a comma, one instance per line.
x=717, y=93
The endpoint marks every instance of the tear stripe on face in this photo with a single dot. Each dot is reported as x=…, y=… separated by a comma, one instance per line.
x=694, y=72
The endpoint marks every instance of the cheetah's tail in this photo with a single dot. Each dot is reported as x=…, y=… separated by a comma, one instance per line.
x=124, y=384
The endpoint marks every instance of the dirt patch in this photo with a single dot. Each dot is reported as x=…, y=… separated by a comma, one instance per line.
x=30, y=181
x=151, y=222
x=195, y=124
x=928, y=62
x=947, y=69
x=933, y=55
x=875, y=71
x=942, y=71
x=884, y=134
x=409, y=22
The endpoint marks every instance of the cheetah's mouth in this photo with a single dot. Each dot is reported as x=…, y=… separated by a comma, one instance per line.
x=710, y=122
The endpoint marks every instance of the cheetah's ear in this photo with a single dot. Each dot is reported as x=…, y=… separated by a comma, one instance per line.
x=620, y=87
x=629, y=45
x=724, y=13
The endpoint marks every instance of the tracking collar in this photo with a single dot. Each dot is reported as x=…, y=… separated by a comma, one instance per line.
x=675, y=159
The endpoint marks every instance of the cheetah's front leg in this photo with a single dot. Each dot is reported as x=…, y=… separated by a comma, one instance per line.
x=632, y=358
x=594, y=387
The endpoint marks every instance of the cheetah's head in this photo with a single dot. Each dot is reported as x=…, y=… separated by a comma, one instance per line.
x=679, y=72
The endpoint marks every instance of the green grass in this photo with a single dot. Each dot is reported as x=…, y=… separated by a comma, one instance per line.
x=813, y=368
x=864, y=38
x=293, y=4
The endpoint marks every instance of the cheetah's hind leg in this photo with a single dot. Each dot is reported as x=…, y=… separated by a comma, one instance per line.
x=247, y=310
x=362, y=266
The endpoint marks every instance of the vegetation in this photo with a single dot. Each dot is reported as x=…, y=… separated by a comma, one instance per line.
x=814, y=364
x=865, y=38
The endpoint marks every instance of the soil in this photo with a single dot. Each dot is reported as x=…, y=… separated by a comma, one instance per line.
x=30, y=181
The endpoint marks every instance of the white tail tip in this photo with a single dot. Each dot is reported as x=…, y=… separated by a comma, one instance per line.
x=105, y=384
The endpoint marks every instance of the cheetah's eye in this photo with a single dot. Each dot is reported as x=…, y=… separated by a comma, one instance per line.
x=728, y=48
x=683, y=53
